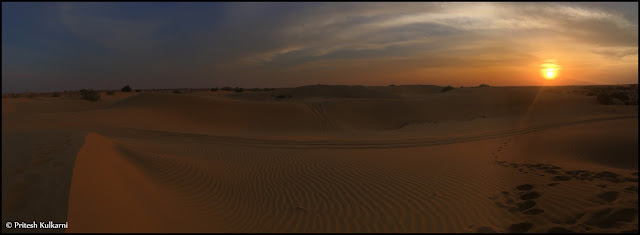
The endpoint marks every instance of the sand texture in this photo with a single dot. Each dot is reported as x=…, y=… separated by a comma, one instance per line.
x=326, y=159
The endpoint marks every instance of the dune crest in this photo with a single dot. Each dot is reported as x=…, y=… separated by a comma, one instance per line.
x=109, y=194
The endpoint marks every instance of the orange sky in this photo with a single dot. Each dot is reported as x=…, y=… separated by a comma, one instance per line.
x=66, y=46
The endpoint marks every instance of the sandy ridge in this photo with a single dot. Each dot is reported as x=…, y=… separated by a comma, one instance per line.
x=347, y=143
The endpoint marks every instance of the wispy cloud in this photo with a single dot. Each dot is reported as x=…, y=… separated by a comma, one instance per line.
x=616, y=53
x=250, y=43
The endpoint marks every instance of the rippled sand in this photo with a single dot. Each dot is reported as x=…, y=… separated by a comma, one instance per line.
x=383, y=159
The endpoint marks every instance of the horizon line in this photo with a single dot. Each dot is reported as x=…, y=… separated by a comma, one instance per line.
x=208, y=88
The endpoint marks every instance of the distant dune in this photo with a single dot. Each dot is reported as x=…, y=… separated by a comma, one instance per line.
x=324, y=159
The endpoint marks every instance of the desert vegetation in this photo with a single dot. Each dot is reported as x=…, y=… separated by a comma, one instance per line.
x=90, y=95
x=111, y=92
x=126, y=88
x=611, y=95
x=605, y=98
x=447, y=88
x=282, y=96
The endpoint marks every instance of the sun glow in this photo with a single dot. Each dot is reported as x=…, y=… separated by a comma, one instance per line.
x=549, y=74
x=550, y=69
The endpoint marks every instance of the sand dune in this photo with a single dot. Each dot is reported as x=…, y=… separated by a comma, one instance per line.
x=344, y=159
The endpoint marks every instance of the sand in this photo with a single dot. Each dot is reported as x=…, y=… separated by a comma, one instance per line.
x=328, y=159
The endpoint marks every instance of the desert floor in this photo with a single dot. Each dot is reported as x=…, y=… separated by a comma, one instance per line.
x=326, y=159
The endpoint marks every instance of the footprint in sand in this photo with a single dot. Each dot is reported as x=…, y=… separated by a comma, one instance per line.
x=561, y=178
x=609, y=176
x=530, y=195
x=520, y=227
x=609, y=197
x=485, y=229
x=630, y=179
x=612, y=218
x=533, y=211
x=523, y=206
x=631, y=189
x=552, y=171
x=526, y=206
x=571, y=220
x=608, y=218
x=524, y=187
x=559, y=230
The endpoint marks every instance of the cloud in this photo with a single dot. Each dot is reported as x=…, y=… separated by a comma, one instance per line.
x=616, y=53
x=210, y=43
x=582, y=23
x=111, y=33
x=331, y=31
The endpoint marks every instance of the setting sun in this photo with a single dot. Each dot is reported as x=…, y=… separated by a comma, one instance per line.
x=550, y=69
x=549, y=74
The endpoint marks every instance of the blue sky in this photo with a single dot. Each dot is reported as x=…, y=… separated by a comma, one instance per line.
x=67, y=46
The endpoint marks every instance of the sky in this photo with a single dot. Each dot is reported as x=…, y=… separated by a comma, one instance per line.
x=52, y=46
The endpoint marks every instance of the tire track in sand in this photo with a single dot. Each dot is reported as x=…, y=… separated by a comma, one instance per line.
x=351, y=144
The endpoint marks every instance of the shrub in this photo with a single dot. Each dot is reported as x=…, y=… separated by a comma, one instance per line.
x=111, y=92
x=392, y=85
x=483, y=85
x=283, y=96
x=447, y=88
x=620, y=95
x=126, y=88
x=31, y=95
x=604, y=98
x=138, y=90
x=176, y=92
x=214, y=89
x=14, y=95
x=55, y=94
x=227, y=88
x=591, y=93
x=238, y=89
x=90, y=95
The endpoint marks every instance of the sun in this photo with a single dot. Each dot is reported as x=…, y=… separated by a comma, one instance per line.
x=549, y=69
x=549, y=74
